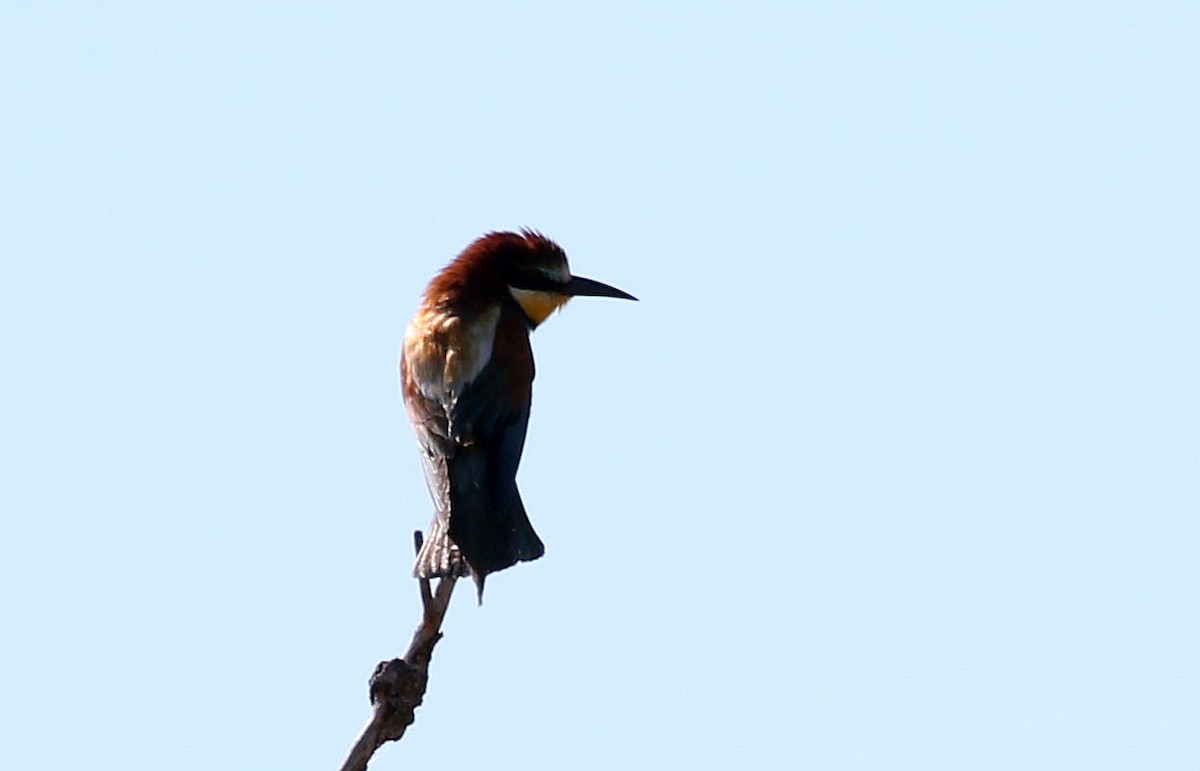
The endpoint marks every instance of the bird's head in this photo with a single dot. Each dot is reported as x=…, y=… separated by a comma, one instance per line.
x=526, y=266
x=540, y=279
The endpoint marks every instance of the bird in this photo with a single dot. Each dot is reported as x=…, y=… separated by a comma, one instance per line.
x=466, y=377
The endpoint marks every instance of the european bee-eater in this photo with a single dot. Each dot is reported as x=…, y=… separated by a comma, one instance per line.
x=466, y=372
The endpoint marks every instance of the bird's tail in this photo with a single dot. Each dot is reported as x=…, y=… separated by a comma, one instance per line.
x=492, y=543
x=488, y=543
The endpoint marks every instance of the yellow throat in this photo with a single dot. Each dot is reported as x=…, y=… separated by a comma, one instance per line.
x=538, y=303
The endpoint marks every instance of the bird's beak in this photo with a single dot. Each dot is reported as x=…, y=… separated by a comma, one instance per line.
x=579, y=286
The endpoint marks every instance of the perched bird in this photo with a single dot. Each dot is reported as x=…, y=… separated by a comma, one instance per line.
x=466, y=373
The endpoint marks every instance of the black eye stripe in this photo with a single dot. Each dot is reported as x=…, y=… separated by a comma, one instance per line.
x=536, y=282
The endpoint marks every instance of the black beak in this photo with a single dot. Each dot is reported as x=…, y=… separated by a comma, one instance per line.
x=579, y=286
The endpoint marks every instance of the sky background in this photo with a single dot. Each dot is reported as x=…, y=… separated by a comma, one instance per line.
x=896, y=465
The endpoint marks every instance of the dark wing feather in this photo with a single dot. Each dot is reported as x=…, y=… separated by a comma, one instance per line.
x=488, y=520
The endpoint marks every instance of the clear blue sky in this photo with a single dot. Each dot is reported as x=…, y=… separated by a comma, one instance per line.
x=895, y=466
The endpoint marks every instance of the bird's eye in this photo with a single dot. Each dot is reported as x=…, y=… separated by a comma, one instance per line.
x=535, y=281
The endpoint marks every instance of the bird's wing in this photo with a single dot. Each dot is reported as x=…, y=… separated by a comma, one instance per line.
x=471, y=448
x=488, y=420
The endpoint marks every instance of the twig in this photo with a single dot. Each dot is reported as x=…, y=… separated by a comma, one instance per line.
x=397, y=686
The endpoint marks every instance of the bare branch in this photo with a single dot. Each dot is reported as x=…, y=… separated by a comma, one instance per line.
x=398, y=686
